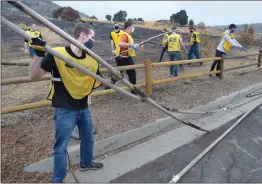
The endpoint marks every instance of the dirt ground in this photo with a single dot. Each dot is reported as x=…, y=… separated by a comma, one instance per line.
x=28, y=136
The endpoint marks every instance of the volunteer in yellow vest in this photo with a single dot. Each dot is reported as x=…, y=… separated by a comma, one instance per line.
x=164, y=46
x=115, y=36
x=194, y=44
x=33, y=31
x=227, y=41
x=174, y=44
x=126, y=58
x=69, y=93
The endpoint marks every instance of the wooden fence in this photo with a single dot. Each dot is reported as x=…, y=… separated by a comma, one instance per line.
x=149, y=82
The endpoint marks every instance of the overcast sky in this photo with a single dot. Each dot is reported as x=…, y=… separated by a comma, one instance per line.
x=210, y=12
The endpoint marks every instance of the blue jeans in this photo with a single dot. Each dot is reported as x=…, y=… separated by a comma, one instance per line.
x=65, y=121
x=194, y=51
x=174, y=56
x=31, y=51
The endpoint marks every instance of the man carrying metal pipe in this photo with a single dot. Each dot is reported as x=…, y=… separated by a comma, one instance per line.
x=115, y=36
x=194, y=43
x=163, y=43
x=69, y=93
x=126, y=57
x=174, y=43
x=227, y=41
x=33, y=31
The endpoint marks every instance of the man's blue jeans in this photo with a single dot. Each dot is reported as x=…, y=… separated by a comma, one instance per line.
x=31, y=51
x=65, y=121
x=174, y=56
x=194, y=51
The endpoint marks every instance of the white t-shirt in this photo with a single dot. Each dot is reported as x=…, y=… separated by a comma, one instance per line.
x=226, y=37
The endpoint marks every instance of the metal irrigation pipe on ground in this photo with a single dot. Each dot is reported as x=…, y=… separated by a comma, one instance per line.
x=202, y=154
x=227, y=107
x=142, y=96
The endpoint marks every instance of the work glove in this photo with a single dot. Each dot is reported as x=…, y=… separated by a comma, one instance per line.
x=135, y=46
x=38, y=45
x=242, y=48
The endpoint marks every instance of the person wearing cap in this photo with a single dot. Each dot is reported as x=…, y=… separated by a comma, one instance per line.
x=164, y=47
x=227, y=41
x=194, y=43
x=174, y=43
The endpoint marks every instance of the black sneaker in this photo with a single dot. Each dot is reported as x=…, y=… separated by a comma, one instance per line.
x=93, y=166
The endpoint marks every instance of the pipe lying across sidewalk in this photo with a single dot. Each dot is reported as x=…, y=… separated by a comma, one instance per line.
x=142, y=96
x=202, y=154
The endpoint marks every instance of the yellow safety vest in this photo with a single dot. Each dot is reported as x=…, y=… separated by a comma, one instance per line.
x=173, y=42
x=192, y=38
x=77, y=83
x=35, y=34
x=226, y=44
x=116, y=37
x=131, y=53
x=164, y=40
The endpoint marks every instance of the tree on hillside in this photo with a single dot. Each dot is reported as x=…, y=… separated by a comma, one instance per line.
x=191, y=22
x=108, y=17
x=140, y=19
x=201, y=24
x=66, y=13
x=70, y=14
x=248, y=35
x=93, y=17
x=135, y=19
x=120, y=16
x=57, y=12
x=180, y=17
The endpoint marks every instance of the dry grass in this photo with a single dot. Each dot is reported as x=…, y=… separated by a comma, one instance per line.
x=51, y=37
x=207, y=46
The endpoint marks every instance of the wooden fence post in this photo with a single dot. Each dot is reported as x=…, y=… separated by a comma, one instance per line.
x=148, y=76
x=221, y=63
x=259, y=59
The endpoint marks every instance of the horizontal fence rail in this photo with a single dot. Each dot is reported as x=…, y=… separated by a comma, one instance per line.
x=148, y=65
x=100, y=92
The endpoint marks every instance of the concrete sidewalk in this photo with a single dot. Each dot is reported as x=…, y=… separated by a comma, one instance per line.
x=143, y=153
x=236, y=159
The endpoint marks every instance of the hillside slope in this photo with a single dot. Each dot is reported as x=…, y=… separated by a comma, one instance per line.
x=43, y=7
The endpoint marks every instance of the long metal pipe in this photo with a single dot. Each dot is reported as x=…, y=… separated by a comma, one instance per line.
x=71, y=63
x=68, y=61
x=202, y=154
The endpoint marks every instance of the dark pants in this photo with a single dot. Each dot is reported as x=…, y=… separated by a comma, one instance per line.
x=194, y=51
x=130, y=73
x=164, y=49
x=174, y=56
x=217, y=62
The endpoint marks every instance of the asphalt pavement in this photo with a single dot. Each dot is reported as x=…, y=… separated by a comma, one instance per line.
x=235, y=159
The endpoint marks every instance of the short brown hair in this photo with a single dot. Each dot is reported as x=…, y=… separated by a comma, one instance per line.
x=128, y=23
x=174, y=28
x=81, y=28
